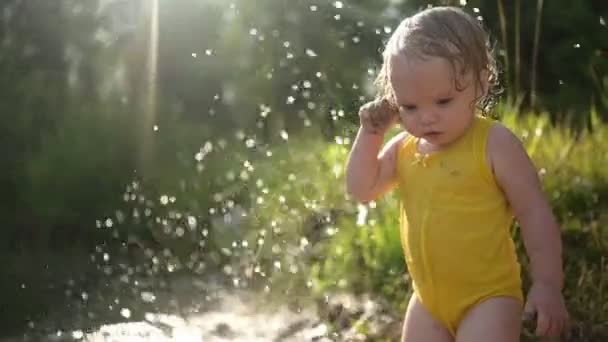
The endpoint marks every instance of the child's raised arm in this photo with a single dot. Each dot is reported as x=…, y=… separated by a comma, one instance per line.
x=370, y=173
x=516, y=175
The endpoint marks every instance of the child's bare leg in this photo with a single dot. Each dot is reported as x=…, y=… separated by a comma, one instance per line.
x=496, y=319
x=420, y=326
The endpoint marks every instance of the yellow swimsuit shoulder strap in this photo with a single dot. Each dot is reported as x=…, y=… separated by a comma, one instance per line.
x=405, y=150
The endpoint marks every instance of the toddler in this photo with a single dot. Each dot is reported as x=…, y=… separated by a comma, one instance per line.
x=461, y=179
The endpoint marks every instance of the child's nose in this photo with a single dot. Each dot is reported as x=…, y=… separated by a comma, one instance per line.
x=428, y=117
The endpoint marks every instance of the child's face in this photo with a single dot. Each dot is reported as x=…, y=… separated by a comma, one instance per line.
x=430, y=106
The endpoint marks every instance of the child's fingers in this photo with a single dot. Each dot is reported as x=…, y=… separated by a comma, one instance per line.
x=529, y=312
x=543, y=323
x=553, y=328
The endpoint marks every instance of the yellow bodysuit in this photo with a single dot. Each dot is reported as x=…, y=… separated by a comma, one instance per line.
x=455, y=227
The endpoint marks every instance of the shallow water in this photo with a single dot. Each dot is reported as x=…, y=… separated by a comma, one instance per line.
x=208, y=311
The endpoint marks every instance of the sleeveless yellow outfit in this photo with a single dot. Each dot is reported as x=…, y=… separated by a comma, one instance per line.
x=455, y=227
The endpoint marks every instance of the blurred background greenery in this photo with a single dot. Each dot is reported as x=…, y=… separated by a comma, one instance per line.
x=209, y=136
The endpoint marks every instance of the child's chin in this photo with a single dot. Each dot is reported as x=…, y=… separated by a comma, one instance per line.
x=435, y=138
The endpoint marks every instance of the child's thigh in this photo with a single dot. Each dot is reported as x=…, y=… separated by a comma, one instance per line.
x=496, y=319
x=420, y=326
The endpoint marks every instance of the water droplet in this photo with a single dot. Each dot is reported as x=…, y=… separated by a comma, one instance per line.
x=250, y=143
x=208, y=52
x=264, y=110
x=338, y=4
x=106, y=257
x=480, y=18
x=77, y=334
x=313, y=8
x=307, y=84
x=576, y=45
x=155, y=128
x=284, y=135
x=475, y=9
x=337, y=17
x=286, y=43
x=277, y=265
x=164, y=199
x=463, y=2
x=126, y=313
x=387, y=29
x=148, y=297
x=361, y=215
x=247, y=164
x=290, y=99
x=109, y=223
x=253, y=31
x=337, y=170
x=310, y=53
x=602, y=21
x=360, y=23
x=194, y=54
x=191, y=222
x=356, y=39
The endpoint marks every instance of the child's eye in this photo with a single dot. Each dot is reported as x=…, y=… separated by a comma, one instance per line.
x=443, y=102
x=408, y=108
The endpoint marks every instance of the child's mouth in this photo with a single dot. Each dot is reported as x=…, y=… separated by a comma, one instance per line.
x=432, y=135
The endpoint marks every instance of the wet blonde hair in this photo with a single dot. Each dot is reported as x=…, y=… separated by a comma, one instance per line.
x=450, y=33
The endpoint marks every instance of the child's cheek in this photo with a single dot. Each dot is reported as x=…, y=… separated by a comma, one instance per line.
x=408, y=125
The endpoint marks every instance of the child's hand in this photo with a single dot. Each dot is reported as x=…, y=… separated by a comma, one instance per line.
x=378, y=116
x=546, y=303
